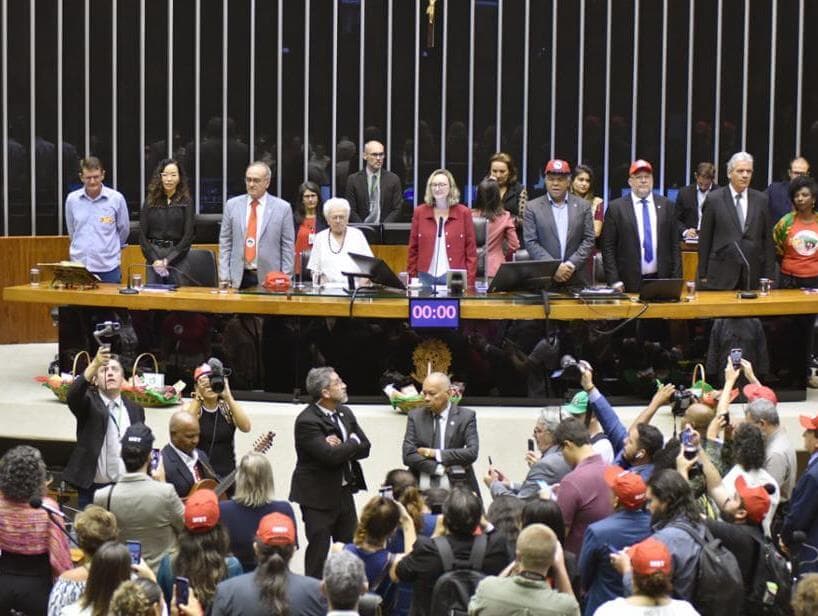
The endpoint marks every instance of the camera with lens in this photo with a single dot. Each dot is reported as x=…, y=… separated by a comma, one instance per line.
x=217, y=374
x=681, y=400
x=570, y=369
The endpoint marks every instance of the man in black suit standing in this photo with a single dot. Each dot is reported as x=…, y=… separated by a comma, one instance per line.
x=374, y=193
x=736, y=227
x=102, y=415
x=328, y=444
x=639, y=236
x=183, y=464
x=441, y=444
x=690, y=200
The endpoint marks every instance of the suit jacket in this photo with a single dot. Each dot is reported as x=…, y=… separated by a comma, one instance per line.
x=461, y=442
x=551, y=468
x=357, y=193
x=178, y=474
x=801, y=516
x=92, y=425
x=147, y=511
x=687, y=207
x=621, y=251
x=461, y=244
x=319, y=469
x=720, y=264
x=540, y=234
x=275, y=239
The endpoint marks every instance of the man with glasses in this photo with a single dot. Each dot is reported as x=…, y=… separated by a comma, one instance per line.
x=640, y=239
x=374, y=193
x=97, y=221
x=560, y=226
x=257, y=234
x=779, y=192
x=546, y=463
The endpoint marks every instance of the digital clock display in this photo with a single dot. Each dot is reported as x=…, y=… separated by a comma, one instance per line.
x=434, y=312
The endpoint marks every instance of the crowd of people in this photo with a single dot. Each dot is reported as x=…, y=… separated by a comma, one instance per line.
x=609, y=519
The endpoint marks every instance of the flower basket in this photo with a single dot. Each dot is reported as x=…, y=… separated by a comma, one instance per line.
x=148, y=395
x=58, y=384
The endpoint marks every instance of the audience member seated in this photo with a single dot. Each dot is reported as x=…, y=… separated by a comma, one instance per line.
x=653, y=573
x=33, y=548
x=584, y=497
x=330, y=250
x=628, y=524
x=547, y=464
x=93, y=527
x=253, y=500
x=526, y=589
x=272, y=588
x=146, y=510
x=504, y=515
x=139, y=597
x=461, y=522
x=202, y=550
x=343, y=583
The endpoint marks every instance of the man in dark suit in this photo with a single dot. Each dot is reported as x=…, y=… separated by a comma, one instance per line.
x=690, y=200
x=779, y=192
x=560, y=226
x=441, y=443
x=736, y=226
x=182, y=463
x=328, y=444
x=639, y=236
x=374, y=193
x=102, y=415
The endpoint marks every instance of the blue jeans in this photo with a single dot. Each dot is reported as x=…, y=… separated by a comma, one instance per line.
x=115, y=275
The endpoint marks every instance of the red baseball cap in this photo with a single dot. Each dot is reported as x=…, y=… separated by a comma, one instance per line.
x=201, y=371
x=201, y=511
x=650, y=556
x=640, y=165
x=276, y=529
x=759, y=392
x=756, y=500
x=810, y=423
x=628, y=487
x=557, y=166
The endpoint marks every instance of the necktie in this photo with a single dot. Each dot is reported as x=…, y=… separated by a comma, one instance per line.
x=373, y=186
x=739, y=212
x=437, y=433
x=647, y=240
x=337, y=423
x=250, y=237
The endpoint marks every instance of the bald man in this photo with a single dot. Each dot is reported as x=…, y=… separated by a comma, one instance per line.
x=184, y=464
x=441, y=443
x=374, y=193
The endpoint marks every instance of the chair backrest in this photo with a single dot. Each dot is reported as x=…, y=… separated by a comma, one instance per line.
x=521, y=255
x=481, y=226
x=305, y=259
x=199, y=269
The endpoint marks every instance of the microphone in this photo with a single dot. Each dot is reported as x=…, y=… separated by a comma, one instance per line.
x=36, y=502
x=747, y=293
x=798, y=537
x=436, y=254
x=129, y=290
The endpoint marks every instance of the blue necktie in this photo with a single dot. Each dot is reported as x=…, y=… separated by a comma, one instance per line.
x=647, y=241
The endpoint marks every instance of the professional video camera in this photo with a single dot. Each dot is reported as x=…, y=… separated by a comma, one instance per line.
x=217, y=374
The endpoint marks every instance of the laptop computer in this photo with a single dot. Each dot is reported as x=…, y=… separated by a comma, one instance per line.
x=376, y=270
x=661, y=290
x=524, y=276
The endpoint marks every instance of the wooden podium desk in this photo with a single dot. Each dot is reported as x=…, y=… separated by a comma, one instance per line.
x=708, y=304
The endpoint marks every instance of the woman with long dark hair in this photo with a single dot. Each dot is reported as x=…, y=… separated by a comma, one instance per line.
x=306, y=210
x=501, y=234
x=503, y=170
x=582, y=185
x=272, y=588
x=166, y=221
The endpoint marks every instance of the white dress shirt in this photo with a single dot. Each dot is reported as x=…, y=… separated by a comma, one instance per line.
x=652, y=267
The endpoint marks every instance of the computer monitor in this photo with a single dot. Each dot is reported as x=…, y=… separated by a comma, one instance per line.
x=524, y=276
x=376, y=270
x=661, y=290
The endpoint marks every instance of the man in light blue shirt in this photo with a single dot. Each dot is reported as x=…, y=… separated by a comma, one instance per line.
x=97, y=221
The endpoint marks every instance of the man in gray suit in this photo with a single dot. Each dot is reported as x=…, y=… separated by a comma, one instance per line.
x=441, y=443
x=146, y=510
x=546, y=466
x=257, y=233
x=559, y=226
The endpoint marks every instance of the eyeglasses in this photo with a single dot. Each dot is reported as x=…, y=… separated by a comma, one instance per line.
x=376, y=154
x=440, y=185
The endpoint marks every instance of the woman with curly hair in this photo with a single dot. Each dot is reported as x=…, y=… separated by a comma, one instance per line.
x=139, y=597
x=33, y=547
x=379, y=521
x=93, y=527
x=202, y=550
x=166, y=221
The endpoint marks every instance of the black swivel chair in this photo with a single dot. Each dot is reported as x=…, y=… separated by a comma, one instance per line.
x=481, y=229
x=198, y=269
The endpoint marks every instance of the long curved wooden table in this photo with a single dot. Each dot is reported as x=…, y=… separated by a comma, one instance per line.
x=709, y=304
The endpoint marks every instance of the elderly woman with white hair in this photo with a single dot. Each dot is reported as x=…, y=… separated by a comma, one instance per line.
x=331, y=247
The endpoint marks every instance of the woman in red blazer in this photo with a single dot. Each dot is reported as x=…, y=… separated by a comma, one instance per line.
x=442, y=235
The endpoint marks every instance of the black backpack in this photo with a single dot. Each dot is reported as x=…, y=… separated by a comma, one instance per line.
x=454, y=589
x=772, y=583
x=719, y=589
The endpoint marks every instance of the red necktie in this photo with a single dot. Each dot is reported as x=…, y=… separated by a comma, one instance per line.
x=250, y=237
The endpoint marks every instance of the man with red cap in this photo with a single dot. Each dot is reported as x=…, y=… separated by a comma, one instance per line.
x=628, y=524
x=559, y=226
x=640, y=236
x=803, y=513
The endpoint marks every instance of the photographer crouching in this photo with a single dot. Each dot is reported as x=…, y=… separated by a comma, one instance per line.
x=219, y=415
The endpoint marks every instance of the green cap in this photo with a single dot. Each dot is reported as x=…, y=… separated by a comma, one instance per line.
x=578, y=405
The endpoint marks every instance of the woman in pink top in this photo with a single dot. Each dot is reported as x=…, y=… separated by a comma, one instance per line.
x=501, y=236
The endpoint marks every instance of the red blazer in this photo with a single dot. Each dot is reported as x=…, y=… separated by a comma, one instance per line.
x=461, y=247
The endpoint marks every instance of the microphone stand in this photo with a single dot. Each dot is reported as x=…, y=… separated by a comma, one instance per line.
x=747, y=293
x=54, y=521
x=129, y=290
x=436, y=255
